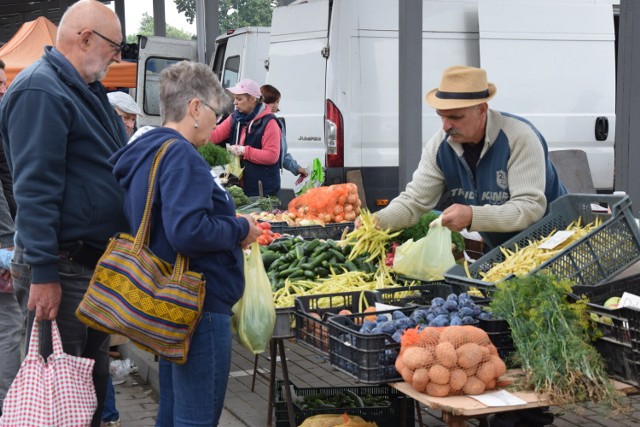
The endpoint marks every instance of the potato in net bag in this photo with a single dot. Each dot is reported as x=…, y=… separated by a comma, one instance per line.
x=448, y=361
x=335, y=203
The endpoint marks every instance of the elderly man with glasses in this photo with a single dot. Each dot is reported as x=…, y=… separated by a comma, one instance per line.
x=59, y=131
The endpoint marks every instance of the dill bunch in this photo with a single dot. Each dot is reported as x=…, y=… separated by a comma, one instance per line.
x=552, y=336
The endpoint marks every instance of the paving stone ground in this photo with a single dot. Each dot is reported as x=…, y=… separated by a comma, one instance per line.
x=137, y=402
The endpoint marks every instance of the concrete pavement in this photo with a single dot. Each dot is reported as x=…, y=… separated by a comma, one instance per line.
x=137, y=398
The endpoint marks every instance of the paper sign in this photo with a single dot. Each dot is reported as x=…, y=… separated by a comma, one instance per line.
x=630, y=301
x=498, y=398
x=384, y=307
x=556, y=239
x=599, y=209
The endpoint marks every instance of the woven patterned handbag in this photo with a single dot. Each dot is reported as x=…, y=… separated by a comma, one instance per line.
x=136, y=294
x=59, y=392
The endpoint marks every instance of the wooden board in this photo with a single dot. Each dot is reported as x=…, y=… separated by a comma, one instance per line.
x=468, y=407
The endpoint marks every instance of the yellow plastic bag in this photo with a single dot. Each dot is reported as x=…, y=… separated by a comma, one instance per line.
x=255, y=314
x=336, y=420
x=429, y=257
x=234, y=168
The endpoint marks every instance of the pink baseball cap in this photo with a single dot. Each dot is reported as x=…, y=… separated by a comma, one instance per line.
x=247, y=86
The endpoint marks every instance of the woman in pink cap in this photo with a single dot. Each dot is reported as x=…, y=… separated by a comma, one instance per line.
x=254, y=136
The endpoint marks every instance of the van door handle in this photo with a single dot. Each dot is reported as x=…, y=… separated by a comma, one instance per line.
x=602, y=128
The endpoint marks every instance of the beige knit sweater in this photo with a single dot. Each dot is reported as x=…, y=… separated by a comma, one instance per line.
x=526, y=180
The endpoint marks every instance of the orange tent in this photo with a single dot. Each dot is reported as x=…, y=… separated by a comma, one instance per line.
x=27, y=45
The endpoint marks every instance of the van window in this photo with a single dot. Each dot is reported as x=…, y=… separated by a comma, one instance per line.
x=217, y=61
x=231, y=71
x=152, y=69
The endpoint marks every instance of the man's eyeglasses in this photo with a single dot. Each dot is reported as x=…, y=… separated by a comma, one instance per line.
x=117, y=46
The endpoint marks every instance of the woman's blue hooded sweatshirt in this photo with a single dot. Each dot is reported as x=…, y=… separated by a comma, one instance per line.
x=191, y=213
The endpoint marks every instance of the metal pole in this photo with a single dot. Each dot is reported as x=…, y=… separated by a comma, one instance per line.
x=410, y=98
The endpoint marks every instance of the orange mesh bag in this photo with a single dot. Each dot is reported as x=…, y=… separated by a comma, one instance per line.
x=335, y=203
x=448, y=361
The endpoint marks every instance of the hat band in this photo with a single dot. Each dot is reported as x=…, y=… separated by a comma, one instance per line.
x=462, y=95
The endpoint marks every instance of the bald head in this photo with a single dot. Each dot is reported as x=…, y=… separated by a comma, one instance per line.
x=89, y=36
x=85, y=14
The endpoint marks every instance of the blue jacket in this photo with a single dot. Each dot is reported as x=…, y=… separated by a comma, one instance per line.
x=491, y=184
x=269, y=175
x=191, y=213
x=286, y=159
x=59, y=133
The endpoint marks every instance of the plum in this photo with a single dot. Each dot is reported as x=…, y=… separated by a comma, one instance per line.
x=437, y=301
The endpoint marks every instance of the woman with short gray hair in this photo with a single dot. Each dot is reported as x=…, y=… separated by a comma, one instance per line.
x=194, y=215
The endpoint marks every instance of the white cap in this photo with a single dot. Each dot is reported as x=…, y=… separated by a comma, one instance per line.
x=124, y=102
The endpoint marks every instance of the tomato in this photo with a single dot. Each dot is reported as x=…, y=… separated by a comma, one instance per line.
x=267, y=232
x=276, y=236
x=263, y=240
x=264, y=225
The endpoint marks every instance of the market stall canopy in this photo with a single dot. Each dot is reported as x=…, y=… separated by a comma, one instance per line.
x=27, y=44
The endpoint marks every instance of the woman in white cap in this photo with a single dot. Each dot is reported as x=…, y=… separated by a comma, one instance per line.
x=494, y=165
x=254, y=136
x=126, y=108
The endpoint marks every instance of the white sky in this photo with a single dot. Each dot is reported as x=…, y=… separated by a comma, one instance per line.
x=135, y=8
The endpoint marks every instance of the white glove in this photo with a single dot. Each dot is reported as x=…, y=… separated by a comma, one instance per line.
x=236, y=150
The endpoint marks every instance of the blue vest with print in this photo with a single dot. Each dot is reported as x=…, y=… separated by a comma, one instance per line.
x=253, y=172
x=491, y=185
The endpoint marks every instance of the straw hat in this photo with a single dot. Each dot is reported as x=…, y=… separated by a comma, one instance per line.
x=461, y=87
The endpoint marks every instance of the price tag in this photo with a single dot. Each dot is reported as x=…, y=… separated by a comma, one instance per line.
x=630, y=301
x=558, y=238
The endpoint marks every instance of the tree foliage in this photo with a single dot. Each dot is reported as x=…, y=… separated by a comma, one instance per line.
x=234, y=13
x=146, y=29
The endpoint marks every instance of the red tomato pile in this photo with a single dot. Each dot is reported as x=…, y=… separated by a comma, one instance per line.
x=267, y=235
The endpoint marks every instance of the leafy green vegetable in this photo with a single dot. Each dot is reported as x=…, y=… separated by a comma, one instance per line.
x=214, y=155
x=421, y=229
x=552, y=338
x=239, y=198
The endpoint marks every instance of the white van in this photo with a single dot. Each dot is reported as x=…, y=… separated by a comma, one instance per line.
x=238, y=55
x=336, y=64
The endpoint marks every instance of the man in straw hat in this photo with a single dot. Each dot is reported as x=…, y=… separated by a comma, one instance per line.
x=494, y=165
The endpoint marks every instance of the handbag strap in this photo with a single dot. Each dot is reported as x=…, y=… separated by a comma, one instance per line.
x=143, y=234
x=34, y=341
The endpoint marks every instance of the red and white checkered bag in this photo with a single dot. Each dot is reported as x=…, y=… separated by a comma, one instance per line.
x=57, y=393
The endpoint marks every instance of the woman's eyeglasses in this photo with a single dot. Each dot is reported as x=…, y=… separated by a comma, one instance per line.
x=210, y=107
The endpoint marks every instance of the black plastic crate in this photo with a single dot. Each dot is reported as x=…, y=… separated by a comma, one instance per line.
x=622, y=361
x=422, y=294
x=592, y=260
x=313, y=332
x=328, y=231
x=383, y=416
x=620, y=327
x=369, y=358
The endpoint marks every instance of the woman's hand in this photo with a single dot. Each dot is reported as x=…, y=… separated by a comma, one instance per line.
x=253, y=234
x=302, y=172
x=236, y=150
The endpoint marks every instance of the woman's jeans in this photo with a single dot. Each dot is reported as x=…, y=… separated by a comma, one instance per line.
x=193, y=394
